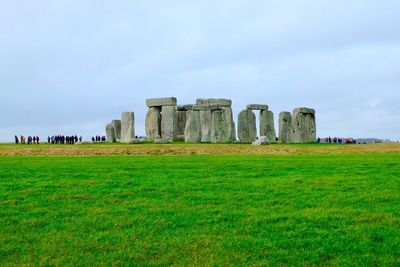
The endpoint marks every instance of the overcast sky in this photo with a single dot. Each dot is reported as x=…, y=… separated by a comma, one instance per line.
x=71, y=66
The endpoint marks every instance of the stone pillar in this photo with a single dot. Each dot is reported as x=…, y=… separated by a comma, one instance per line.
x=169, y=123
x=205, y=121
x=116, y=124
x=153, y=123
x=267, y=127
x=303, y=125
x=219, y=133
x=193, y=127
x=127, y=127
x=230, y=124
x=247, y=131
x=181, y=124
x=285, y=127
x=110, y=132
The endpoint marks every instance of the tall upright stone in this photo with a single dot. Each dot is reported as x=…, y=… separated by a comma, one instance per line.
x=285, y=127
x=205, y=121
x=153, y=123
x=303, y=124
x=230, y=124
x=247, y=131
x=169, y=123
x=181, y=124
x=267, y=127
x=110, y=133
x=116, y=124
x=127, y=126
x=219, y=131
x=192, y=127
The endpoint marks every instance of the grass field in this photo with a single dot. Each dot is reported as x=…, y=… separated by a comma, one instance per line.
x=202, y=210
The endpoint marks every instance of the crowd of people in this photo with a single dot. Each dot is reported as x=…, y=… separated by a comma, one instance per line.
x=336, y=140
x=57, y=139
x=98, y=138
x=62, y=139
x=27, y=140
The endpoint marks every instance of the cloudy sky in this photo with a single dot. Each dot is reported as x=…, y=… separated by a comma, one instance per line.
x=71, y=66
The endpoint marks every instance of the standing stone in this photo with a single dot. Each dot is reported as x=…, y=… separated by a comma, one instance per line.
x=303, y=124
x=169, y=123
x=193, y=127
x=153, y=123
x=247, y=131
x=230, y=124
x=127, y=127
x=219, y=133
x=110, y=132
x=181, y=125
x=205, y=121
x=267, y=127
x=285, y=127
x=116, y=124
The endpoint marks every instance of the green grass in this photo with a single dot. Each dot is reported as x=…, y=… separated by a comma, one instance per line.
x=200, y=210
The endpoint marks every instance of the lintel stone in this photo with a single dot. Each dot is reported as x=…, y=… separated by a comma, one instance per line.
x=217, y=101
x=304, y=110
x=159, y=102
x=185, y=107
x=207, y=107
x=257, y=107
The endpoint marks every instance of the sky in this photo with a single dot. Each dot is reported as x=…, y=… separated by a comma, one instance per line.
x=70, y=67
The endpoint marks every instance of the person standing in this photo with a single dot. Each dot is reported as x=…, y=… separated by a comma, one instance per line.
x=16, y=139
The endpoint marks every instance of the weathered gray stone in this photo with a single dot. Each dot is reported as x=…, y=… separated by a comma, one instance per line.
x=207, y=107
x=116, y=124
x=263, y=140
x=285, y=127
x=184, y=107
x=127, y=127
x=230, y=124
x=205, y=121
x=153, y=123
x=193, y=127
x=181, y=123
x=219, y=132
x=169, y=123
x=159, y=102
x=160, y=141
x=180, y=137
x=133, y=141
x=267, y=127
x=257, y=107
x=303, y=125
x=247, y=131
x=218, y=101
x=110, y=133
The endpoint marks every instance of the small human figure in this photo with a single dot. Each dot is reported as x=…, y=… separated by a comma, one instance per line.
x=16, y=139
